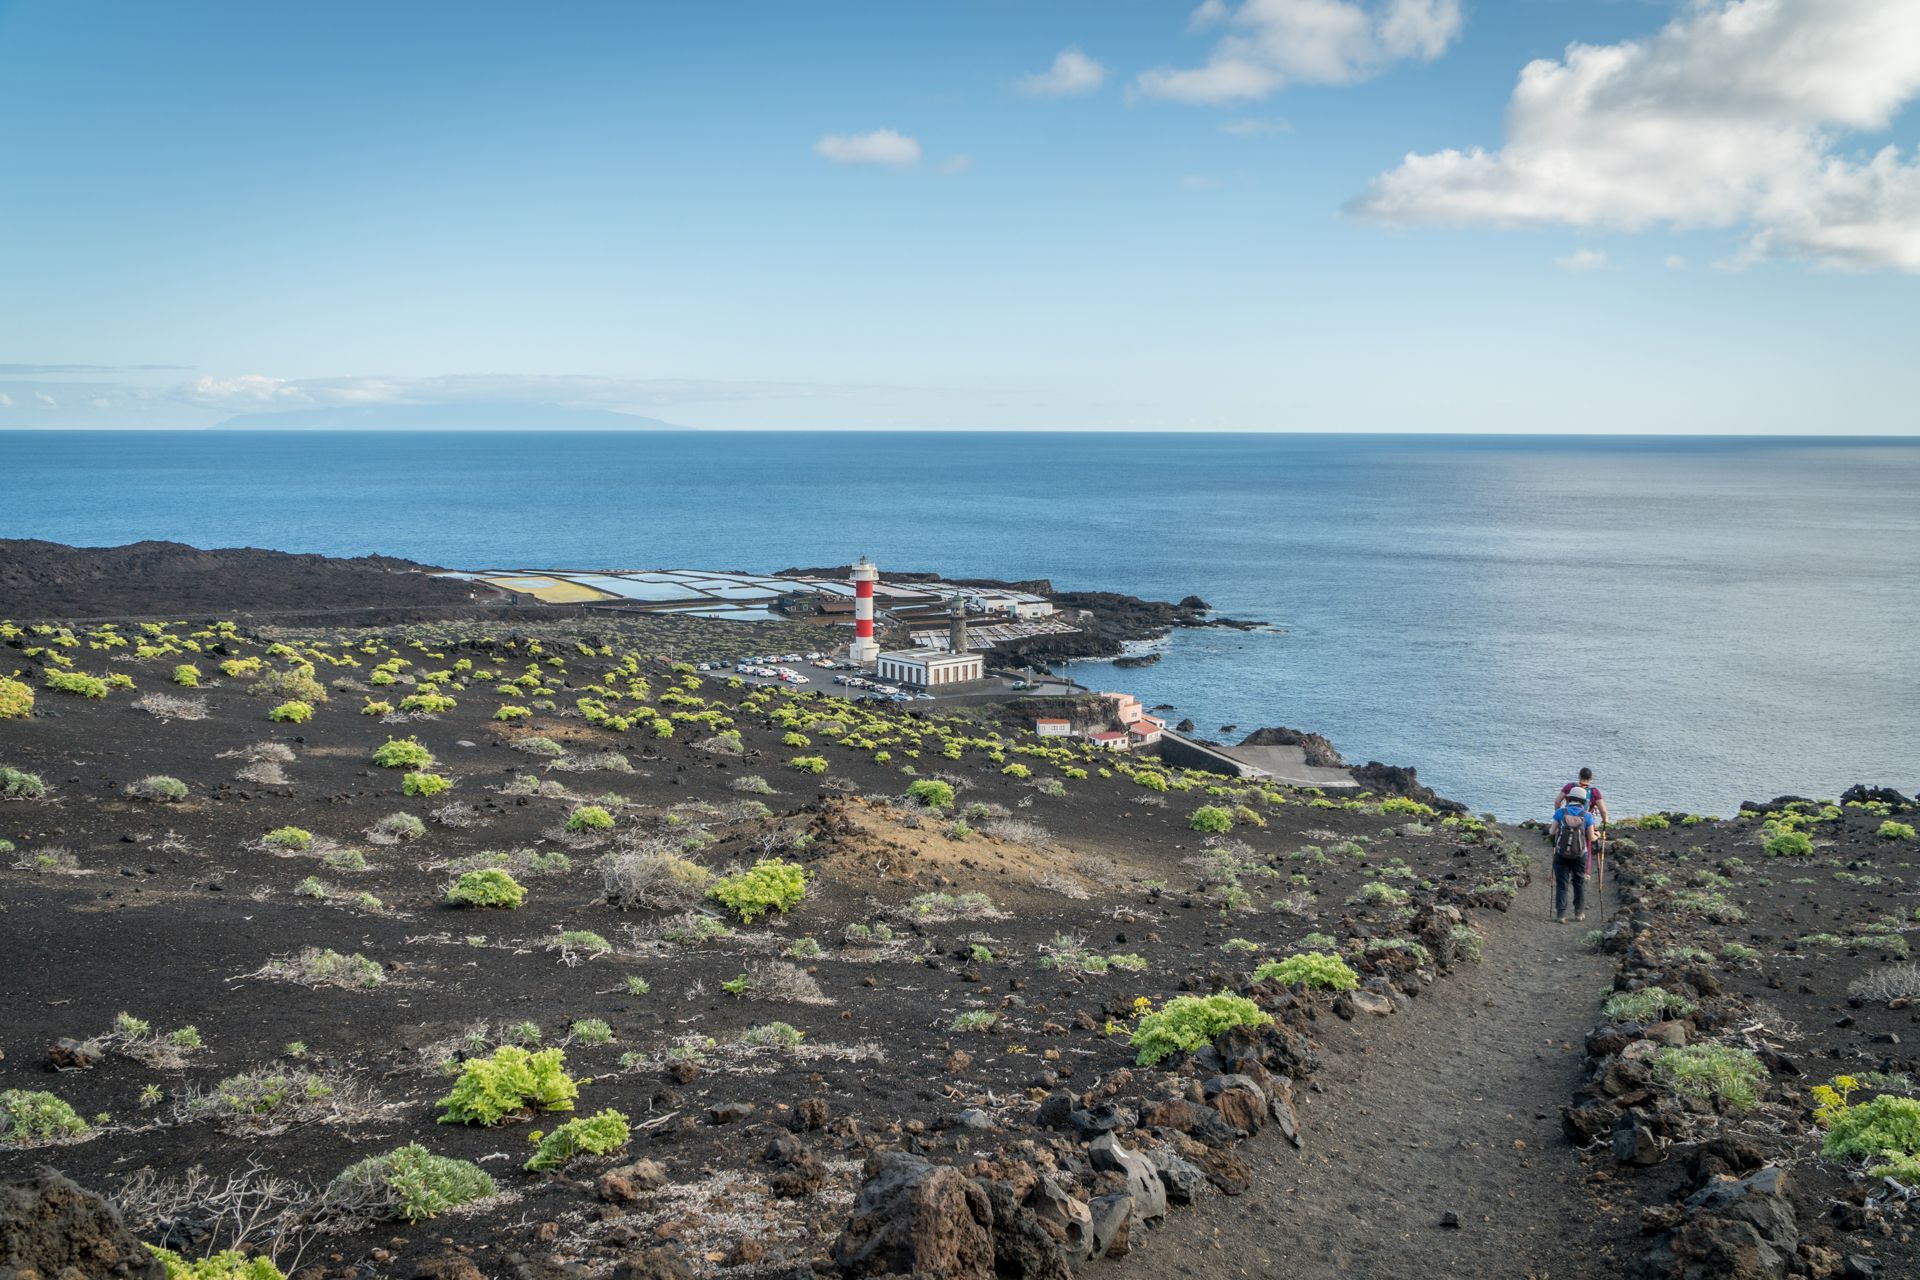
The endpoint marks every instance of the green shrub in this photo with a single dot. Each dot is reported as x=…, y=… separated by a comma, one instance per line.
x=512, y=713
x=376, y=707
x=298, y=684
x=408, y=1184
x=932, y=792
x=159, y=788
x=589, y=817
x=809, y=764
x=16, y=699
x=425, y=784
x=510, y=1082
x=1185, y=1023
x=1150, y=780
x=1887, y=1128
x=403, y=753
x=81, y=686
x=1403, y=804
x=1789, y=844
x=1017, y=770
x=1891, y=830
x=774, y=1035
x=580, y=940
x=593, y=1032
x=1647, y=1005
x=295, y=712
x=771, y=884
x=187, y=676
x=1211, y=818
x=288, y=838
x=594, y=1135
x=427, y=702
x=1314, y=968
x=1652, y=822
x=1717, y=1071
x=226, y=1265
x=18, y=784
x=36, y=1116
x=488, y=888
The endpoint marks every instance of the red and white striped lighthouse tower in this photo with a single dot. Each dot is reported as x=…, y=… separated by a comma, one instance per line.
x=864, y=650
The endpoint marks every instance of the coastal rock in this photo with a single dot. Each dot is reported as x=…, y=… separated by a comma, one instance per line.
x=913, y=1217
x=51, y=1227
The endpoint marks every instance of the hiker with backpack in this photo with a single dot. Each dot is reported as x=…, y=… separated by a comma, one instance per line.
x=1595, y=801
x=1574, y=825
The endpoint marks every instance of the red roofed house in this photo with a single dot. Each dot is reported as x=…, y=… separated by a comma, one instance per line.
x=1146, y=731
x=1112, y=739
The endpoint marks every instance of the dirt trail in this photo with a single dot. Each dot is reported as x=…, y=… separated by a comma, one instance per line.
x=1452, y=1106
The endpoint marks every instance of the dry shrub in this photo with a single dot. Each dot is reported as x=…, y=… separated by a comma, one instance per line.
x=168, y=706
x=654, y=879
x=778, y=981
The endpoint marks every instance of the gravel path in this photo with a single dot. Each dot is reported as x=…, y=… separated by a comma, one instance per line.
x=1451, y=1107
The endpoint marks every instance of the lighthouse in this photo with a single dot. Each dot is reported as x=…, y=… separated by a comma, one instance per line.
x=864, y=651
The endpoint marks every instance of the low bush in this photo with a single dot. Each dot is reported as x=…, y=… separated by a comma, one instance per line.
x=187, y=676
x=1645, y=1006
x=1891, y=830
x=427, y=702
x=510, y=1082
x=589, y=817
x=425, y=784
x=18, y=784
x=512, y=713
x=297, y=684
x=488, y=888
x=773, y=1035
x=809, y=764
x=228, y=1264
x=1313, y=968
x=403, y=753
x=159, y=788
x=407, y=1184
x=295, y=712
x=73, y=682
x=771, y=884
x=1185, y=1023
x=1789, y=844
x=1211, y=818
x=1720, y=1072
x=296, y=838
x=16, y=699
x=657, y=880
x=1887, y=1128
x=594, y=1135
x=28, y=1116
x=931, y=792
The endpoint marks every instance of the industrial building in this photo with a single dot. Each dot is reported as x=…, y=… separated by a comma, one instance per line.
x=925, y=669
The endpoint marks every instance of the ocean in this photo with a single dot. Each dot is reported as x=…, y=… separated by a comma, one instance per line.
x=1702, y=620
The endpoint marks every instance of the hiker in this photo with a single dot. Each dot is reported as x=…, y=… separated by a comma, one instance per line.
x=1595, y=801
x=1573, y=827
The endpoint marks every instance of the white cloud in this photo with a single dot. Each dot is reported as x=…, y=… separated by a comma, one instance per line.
x=882, y=147
x=1249, y=128
x=46, y=400
x=956, y=164
x=1581, y=261
x=1731, y=116
x=6, y=401
x=1270, y=43
x=1072, y=72
x=1674, y=262
x=255, y=391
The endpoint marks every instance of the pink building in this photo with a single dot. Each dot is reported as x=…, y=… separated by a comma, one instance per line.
x=1126, y=707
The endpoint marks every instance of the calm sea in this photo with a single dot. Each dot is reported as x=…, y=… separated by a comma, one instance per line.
x=1702, y=620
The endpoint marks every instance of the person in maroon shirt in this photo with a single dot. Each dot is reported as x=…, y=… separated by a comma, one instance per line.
x=1596, y=801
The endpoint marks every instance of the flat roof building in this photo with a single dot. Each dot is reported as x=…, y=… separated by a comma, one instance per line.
x=926, y=669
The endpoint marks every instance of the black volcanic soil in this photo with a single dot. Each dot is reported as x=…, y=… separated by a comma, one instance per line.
x=160, y=579
x=1801, y=959
x=168, y=911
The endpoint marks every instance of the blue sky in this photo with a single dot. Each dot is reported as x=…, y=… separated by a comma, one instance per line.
x=985, y=215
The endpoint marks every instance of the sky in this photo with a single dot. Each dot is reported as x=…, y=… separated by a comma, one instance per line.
x=1571, y=216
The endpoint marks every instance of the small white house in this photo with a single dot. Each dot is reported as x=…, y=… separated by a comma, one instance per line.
x=1050, y=728
x=925, y=669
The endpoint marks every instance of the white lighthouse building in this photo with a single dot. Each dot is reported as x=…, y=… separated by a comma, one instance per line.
x=864, y=650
